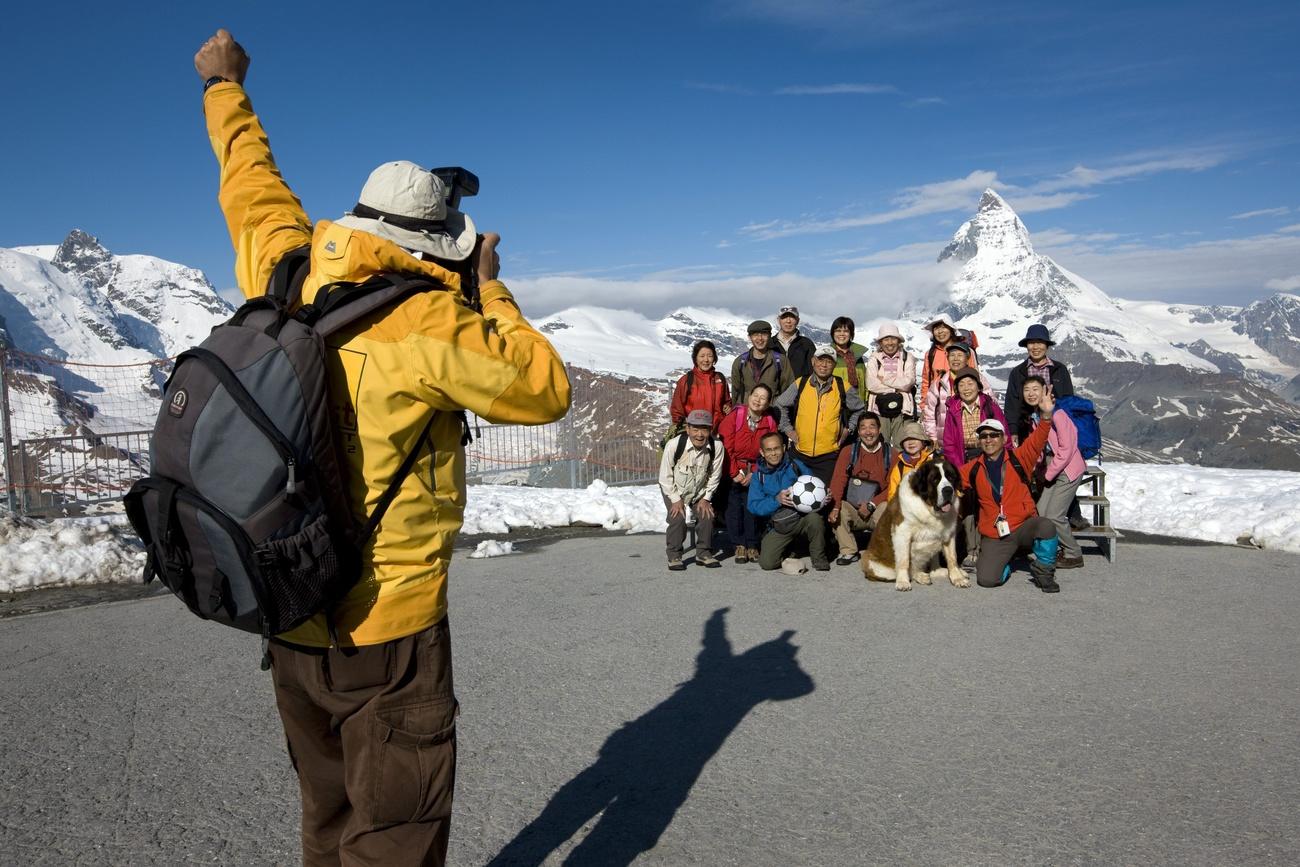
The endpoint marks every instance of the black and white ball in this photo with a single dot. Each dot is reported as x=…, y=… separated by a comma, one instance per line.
x=808, y=493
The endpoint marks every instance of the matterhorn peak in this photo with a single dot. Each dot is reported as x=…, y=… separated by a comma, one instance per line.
x=994, y=231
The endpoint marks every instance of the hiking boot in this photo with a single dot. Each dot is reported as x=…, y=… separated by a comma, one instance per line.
x=822, y=567
x=848, y=559
x=1078, y=523
x=742, y=554
x=1043, y=579
x=753, y=555
x=1069, y=562
x=676, y=565
x=707, y=560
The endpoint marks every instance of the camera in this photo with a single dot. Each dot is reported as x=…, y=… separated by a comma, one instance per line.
x=461, y=182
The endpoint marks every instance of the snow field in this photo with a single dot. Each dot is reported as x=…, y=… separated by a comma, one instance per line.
x=35, y=553
x=1206, y=503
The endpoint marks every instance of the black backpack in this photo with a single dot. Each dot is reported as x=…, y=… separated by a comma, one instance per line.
x=245, y=513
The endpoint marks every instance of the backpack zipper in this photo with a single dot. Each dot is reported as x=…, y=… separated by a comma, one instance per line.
x=248, y=405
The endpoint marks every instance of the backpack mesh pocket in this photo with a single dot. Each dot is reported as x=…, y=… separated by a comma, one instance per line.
x=301, y=574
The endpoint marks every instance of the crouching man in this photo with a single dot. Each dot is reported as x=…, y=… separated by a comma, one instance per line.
x=769, y=497
x=859, y=486
x=688, y=477
x=1008, y=522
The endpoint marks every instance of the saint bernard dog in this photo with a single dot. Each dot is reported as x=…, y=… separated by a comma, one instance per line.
x=919, y=522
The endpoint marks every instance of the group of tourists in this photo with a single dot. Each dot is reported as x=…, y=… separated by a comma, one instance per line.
x=860, y=419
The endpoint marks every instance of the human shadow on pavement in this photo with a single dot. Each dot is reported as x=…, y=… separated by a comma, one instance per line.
x=646, y=769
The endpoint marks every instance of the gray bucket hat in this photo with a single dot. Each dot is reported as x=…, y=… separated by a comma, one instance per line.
x=407, y=204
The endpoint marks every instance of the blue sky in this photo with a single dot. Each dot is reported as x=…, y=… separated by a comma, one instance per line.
x=654, y=154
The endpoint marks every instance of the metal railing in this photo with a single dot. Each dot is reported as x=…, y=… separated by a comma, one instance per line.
x=79, y=434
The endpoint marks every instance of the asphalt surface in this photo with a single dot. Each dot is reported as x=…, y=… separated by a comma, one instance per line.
x=614, y=712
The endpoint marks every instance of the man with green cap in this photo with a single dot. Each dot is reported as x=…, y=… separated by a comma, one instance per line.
x=762, y=362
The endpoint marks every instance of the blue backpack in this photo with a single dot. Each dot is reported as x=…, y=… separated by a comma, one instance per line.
x=1084, y=416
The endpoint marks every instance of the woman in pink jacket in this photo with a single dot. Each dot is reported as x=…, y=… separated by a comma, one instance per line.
x=1061, y=469
x=966, y=409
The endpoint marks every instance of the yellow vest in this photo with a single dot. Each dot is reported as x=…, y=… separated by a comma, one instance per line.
x=817, y=419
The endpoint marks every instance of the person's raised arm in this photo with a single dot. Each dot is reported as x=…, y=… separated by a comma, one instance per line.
x=264, y=217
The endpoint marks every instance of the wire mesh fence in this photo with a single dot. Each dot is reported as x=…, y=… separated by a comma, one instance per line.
x=76, y=434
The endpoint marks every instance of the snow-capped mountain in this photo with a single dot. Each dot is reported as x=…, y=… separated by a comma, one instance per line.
x=135, y=307
x=109, y=316
x=1204, y=384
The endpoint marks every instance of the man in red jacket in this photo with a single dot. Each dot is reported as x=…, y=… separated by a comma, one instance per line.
x=1008, y=521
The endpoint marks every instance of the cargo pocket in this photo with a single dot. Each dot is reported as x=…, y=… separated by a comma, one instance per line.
x=415, y=768
x=300, y=573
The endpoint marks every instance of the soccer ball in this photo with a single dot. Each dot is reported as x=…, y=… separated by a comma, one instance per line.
x=808, y=493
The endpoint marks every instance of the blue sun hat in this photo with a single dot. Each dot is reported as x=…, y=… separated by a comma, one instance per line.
x=1038, y=332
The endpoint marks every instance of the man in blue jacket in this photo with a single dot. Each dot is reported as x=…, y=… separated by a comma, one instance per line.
x=769, y=497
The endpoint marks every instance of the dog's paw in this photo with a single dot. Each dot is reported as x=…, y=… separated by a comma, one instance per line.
x=902, y=584
x=922, y=578
x=959, y=579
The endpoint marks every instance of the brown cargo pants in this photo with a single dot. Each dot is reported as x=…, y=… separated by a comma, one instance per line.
x=372, y=734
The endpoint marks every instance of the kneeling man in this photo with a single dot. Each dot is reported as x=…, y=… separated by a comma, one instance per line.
x=688, y=477
x=1008, y=521
x=769, y=497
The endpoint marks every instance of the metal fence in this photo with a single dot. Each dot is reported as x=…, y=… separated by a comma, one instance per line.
x=77, y=434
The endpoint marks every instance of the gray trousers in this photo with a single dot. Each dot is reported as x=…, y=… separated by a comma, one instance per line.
x=774, y=545
x=676, y=537
x=995, y=554
x=890, y=428
x=1054, y=505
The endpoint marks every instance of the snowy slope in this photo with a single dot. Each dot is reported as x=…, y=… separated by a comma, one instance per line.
x=1216, y=505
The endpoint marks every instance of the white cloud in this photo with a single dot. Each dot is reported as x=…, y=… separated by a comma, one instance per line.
x=1294, y=227
x=1029, y=203
x=926, y=100
x=960, y=194
x=863, y=292
x=834, y=89
x=1263, y=212
x=716, y=87
x=1082, y=177
x=856, y=19
x=1228, y=271
x=1288, y=284
x=934, y=198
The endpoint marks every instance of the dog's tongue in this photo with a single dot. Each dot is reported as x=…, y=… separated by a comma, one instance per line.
x=946, y=507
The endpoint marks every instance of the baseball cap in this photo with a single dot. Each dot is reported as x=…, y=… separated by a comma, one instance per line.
x=991, y=424
x=699, y=418
x=825, y=349
x=789, y=311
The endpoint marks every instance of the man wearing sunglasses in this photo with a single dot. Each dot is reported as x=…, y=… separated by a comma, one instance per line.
x=1008, y=521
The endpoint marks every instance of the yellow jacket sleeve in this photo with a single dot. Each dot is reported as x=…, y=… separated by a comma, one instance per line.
x=264, y=217
x=495, y=365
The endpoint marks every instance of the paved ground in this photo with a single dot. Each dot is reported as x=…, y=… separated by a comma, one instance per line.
x=1148, y=714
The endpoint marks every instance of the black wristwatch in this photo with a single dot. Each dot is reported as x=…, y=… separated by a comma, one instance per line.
x=216, y=79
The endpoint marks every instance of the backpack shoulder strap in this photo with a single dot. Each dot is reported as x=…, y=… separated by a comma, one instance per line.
x=1019, y=468
x=386, y=499
x=680, y=449
x=338, y=305
x=970, y=475
x=288, y=275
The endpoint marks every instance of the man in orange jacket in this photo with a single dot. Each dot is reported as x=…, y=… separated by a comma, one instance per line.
x=1008, y=521
x=370, y=719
